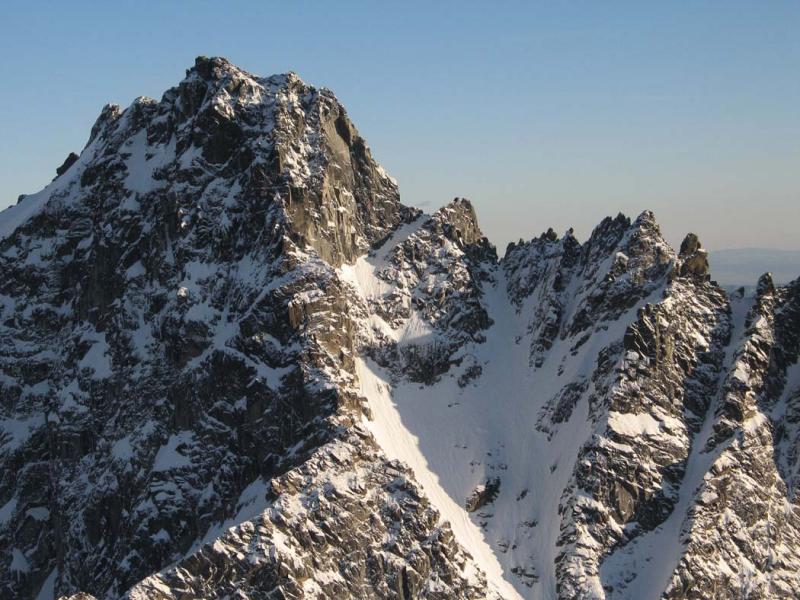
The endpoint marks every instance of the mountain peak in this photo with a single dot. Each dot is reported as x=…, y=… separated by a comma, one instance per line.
x=216, y=69
x=227, y=143
x=689, y=245
x=646, y=222
x=213, y=67
x=461, y=214
x=765, y=285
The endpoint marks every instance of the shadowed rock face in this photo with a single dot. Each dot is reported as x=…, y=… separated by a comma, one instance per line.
x=180, y=410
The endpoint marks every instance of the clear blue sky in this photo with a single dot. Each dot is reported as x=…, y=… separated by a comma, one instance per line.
x=544, y=114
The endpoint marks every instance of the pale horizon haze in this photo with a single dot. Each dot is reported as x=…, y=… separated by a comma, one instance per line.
x=543, y=114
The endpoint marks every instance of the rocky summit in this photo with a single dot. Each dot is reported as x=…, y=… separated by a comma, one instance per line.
x=234, y=365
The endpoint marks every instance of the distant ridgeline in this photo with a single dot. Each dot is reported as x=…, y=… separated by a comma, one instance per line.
x=743, y=267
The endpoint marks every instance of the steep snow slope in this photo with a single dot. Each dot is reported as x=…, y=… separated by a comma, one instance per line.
x=389, y=428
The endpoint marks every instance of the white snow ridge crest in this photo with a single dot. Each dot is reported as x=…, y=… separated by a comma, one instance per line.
x=234, y=365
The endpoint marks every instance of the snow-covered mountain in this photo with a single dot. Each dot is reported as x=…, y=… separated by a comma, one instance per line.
x=234, y=365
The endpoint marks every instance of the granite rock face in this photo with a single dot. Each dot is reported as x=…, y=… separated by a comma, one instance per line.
x=234, y=365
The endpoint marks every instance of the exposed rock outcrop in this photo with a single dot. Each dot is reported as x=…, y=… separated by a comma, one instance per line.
x=68, y=162
x=483, y=495
x=694, y=259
